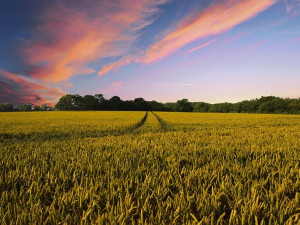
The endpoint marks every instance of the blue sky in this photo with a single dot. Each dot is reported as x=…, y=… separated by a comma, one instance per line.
x=164, y=50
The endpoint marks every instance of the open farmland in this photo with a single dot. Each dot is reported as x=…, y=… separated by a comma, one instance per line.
x=149, y=168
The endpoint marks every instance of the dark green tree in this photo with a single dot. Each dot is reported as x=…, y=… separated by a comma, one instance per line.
x=25, y=107
x=156, y=106
x=201, y=107
x=140, y=104
x=69, y=102
x=115, y=103
x=90, y=102
x=183, y=105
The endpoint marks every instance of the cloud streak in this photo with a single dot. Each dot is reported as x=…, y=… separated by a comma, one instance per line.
x=70, y=38
x=17, y=89
x=201, y=46
x=116, y=65
x=292, y=6
x=167, y=84
x=113, y=87
x=217, y=18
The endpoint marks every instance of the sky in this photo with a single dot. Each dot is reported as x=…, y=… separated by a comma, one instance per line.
x=210, y=50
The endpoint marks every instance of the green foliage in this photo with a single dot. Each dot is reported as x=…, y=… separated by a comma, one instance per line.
x=26, y=107
x=201, y=107
x=269, y=104
x=70, y=102
x=145, y=168
x=183, y=105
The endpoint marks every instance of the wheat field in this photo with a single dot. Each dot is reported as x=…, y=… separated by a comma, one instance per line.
x=149, y=168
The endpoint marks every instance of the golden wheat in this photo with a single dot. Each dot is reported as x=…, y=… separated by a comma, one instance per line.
x=138, y=168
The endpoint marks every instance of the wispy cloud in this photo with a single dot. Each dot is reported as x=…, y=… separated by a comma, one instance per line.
x=236, y=37
x=292, y=6
x=200, y=47
x=116, y=65
x=216, y=19
x=288, y=6
x=297, y=39
x=167, y=84
x=68, y=39
x=113, y=87
x=254, y=45
x=19, y=89
x=70, y=36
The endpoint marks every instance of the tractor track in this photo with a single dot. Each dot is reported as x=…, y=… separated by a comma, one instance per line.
x=164, y=126
x=8, y=138
x=141, y=123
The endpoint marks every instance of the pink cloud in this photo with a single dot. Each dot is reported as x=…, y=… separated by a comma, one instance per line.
x=239, y=36
x=292, y=6
x=216, y=19
x=116, y=65
x=116, y=86
x=201, y=46
x=5, y=90
x=168, y=84
x=68, y=39
x=20, y=89
x=288, y=6
x=254, y=45
x=68, y=85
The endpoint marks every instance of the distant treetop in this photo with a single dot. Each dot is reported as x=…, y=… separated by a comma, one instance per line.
x=265, y=104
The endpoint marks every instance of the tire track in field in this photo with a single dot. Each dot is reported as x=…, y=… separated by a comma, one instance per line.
x=141, y=123
x=164, y=125
x=148, y=124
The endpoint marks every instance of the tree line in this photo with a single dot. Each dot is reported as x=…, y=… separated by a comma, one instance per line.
x=6, y=107
x=69, y=102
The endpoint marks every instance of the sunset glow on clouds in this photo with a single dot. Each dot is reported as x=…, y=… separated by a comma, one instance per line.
x=113, y=88
x=82, y=36
x=106, y=44
x=22, y=90
x=67, y=39
x=216, y=19
x=201, y=46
